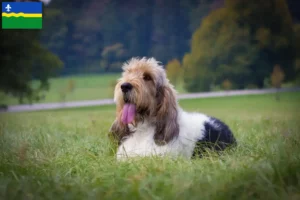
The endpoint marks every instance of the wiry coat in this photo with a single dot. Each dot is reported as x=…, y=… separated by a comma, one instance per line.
x=160, y=126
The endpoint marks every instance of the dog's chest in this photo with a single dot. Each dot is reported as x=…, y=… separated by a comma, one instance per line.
x=140, y=143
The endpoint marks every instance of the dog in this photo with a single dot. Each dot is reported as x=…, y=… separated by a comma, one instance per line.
x=150, y=122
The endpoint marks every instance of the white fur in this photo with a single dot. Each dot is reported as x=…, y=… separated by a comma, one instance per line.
x=141, y=142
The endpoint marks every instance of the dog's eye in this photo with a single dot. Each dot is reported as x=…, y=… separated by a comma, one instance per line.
x=147, y=77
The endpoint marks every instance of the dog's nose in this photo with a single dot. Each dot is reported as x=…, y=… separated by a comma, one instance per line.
x=125, y=87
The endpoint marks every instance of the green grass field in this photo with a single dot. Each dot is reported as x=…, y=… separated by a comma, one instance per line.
x=65, y=154
x=87, y=87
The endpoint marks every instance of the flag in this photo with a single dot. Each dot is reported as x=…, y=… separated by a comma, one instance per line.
x=22, y=15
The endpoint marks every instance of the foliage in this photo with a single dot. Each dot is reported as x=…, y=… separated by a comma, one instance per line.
x=227, y=85
x=220, y=50
x=174, y=71
x=238, y=42
x=195, y=80
x=297, y=61
x=110, y=55
x=23, y=58
x=277, y=76
x=235, y=42
x=198, y=13
x=272, y=34
x=144, y=28
x=162, y=29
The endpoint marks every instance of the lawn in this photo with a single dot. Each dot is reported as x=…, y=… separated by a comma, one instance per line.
x=65, y=154
x=86, y=87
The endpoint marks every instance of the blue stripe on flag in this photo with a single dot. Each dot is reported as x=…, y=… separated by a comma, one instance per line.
x=25, y=7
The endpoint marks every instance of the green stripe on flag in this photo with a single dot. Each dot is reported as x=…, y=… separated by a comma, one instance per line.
x=22, y=23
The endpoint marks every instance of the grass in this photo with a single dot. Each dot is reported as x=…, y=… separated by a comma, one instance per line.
x=65, y=154
x=87, y=87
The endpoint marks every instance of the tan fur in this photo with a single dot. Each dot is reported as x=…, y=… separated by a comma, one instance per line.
x=155, y=100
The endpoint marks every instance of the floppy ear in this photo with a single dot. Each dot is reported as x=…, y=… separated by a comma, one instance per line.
x=118, y=130
x=167, y=127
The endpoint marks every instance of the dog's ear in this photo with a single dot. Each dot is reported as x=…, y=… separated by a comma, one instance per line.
x=118, y=130
x=167, y=127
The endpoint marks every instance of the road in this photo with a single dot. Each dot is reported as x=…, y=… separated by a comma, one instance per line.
x=60, y=105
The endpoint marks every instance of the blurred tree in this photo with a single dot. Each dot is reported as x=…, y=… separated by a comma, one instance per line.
x=170, y=35
x=23, y=59
x=277, y=78
x=220, y=50
x=138, y=26
x=87, y=36
x=54, y=33
x=113, y=25
x=112, y=57
x=174, y=71
x=61, y=35
x=294, y=6
x=195, y=79
x=199, y=10
x=271, y=30
x=297, y=61
x=159, y=28
x=226, y=84
x=241, y=43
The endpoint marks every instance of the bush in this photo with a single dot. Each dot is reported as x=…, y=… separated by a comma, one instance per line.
x=174, y=71
x=226, y=85
x=277, y=76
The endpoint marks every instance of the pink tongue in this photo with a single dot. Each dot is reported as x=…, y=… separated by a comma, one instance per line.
x=128, y=113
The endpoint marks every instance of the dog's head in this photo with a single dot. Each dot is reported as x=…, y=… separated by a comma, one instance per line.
x=144, y=92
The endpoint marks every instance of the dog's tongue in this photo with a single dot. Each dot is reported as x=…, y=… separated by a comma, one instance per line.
x=128, y=113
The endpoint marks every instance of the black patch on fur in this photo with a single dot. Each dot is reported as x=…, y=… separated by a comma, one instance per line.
x=217, y=136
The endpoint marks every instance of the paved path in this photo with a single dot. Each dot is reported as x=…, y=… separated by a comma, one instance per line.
x=51, y=106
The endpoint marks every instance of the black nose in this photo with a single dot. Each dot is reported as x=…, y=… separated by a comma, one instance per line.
x=126, y=87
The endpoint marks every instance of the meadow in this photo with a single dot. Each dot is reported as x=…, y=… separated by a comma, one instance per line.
x=85, y=87
x=66, y=154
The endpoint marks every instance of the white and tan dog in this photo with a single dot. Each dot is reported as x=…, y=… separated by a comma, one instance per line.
x=149, y=120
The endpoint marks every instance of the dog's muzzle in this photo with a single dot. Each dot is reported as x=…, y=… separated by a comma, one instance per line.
x=126, y=88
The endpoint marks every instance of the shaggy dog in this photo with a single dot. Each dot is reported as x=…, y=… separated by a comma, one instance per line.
x=149, y=120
